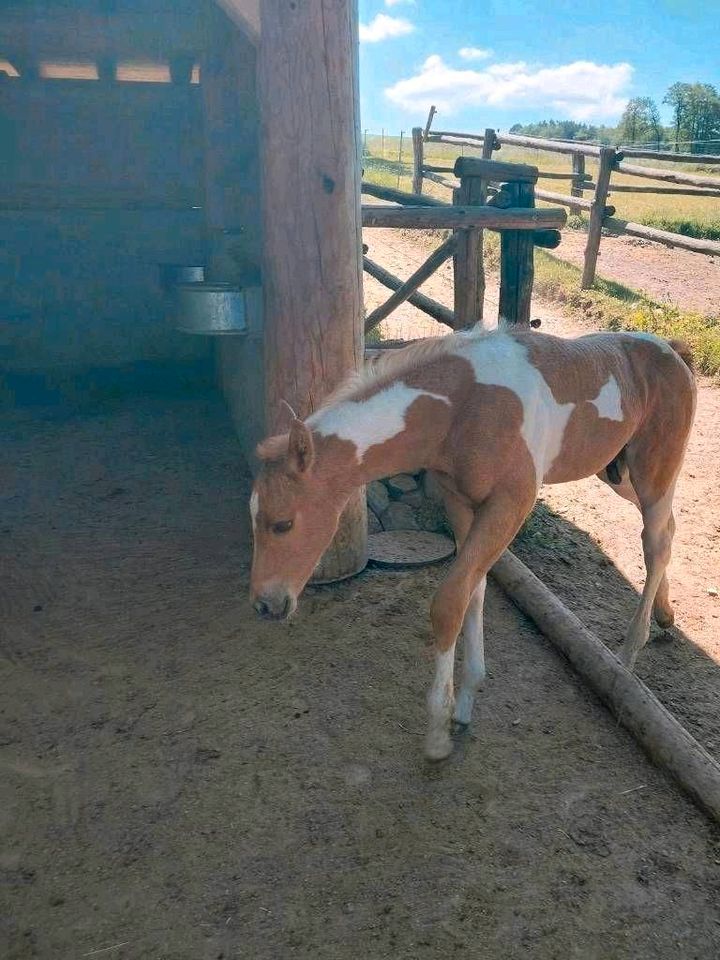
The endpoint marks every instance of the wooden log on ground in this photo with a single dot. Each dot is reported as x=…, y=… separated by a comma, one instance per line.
x=668, y=176
x=312, y=268
x=567, y=201
x=452, y=218
x=667, y=191
x=400, y=196
x=705, y=158
x=660, y=734
x=708, y=247
x=403, y=292
x=495, y=170
x=417, y=141
x=553, y=146
x=434, y=309
x=517, y=268
x=608, y=158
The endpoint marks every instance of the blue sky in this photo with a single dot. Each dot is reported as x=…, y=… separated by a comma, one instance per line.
x=499, y=62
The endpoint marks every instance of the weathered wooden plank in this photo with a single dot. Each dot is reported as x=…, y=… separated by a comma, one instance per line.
x=705, y=158
x=400, y=196
x=449, y=218
x=567, y=201
x=312, y=267
x=553, y=146
x=668, y=176
x=469, y=272
x=434, y=309
x=431, y=114
x=597, y=215
x=708, y=247
x=667, y=191
x=495, y=170
x=436, y=178
x=517, y=263
x=578, y=178
x=402, y=293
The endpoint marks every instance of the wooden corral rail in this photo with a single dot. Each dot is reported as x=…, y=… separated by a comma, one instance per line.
x=610, y=160
x=521, y=226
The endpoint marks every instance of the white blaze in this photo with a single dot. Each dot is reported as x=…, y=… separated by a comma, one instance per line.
x=254, y=507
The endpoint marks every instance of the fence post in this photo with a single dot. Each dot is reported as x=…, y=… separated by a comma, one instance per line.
x=597, y=215
x=489, y=144
x=578, y=169
x=402, y=133
x=417, y=139
x=517, y=266
x=469, y=268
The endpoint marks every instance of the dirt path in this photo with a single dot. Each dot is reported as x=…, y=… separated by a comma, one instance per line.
x=179, y=781
x=689, y=280
x=592, y=526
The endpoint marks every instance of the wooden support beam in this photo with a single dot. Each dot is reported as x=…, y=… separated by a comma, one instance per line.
x=451, y=133
x=597, y=215
x=400, y=196
x=662, y=737
x=668, y=176
x=667, y=191
x=431, y=114
x=417, y=141
x=402, y=293
x=436, y=178
x=434, y=309
x=456, y=142
x=708, y=247
x=451, y=218
x=429, y=168
x=517, y=268
x=495, y=170
x=312, y=268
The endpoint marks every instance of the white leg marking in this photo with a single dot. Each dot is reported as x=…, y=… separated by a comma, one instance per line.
x=657, y=537
x=474, y=655
x=440, y=705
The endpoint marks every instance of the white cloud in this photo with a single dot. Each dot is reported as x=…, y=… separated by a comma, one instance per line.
x=473, y=53
x=394, y=3
x=382, y=27
x=581, y=90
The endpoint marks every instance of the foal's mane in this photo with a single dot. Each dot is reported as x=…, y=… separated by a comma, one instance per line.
x=393, y=364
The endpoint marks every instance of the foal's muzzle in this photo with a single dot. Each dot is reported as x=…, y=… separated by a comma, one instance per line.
x=277, y=606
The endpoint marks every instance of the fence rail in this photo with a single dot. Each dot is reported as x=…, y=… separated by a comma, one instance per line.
x=610, y=160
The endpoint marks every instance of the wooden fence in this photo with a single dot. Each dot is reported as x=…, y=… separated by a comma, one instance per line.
x=609, y=161
x=510, y=211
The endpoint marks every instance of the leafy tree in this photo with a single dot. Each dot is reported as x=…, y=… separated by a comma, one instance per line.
x=696, y=114
x=640, y=121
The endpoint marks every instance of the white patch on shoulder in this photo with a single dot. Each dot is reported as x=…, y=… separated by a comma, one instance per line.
x=608, y=401
x=254, y=508
x=367, y=423
x=651, y=338
x=498, y=360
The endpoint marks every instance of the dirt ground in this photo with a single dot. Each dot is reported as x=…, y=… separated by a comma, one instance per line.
x=689, y=280
x=183, y=782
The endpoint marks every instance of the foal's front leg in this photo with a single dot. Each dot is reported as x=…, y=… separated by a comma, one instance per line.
x=495, y=523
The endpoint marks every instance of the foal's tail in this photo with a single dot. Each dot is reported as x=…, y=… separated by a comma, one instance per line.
x=684, y=351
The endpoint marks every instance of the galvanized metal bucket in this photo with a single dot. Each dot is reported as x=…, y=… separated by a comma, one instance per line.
x=211, y=308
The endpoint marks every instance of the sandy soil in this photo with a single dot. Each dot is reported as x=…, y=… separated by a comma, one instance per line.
x=586, y=527
x=182, y=782
x=689, y=280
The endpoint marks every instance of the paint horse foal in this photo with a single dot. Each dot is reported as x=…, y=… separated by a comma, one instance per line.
x=494, y=415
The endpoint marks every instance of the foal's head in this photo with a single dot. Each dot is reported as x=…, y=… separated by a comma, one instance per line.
x=295, y=508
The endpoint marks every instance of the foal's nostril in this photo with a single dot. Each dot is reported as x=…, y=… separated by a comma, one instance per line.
x=261, y=608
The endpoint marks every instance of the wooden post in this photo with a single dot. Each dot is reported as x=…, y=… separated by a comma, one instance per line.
x=431, y=114
x=517, y=268
x=312, y=269
x=400, y=150
x=597, y=214
x=578, y=169
x=489, y=143
x=469, y=270
x=417, y=139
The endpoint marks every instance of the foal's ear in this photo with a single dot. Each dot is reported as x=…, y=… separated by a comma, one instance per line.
x=273, y=448
x=301, y=449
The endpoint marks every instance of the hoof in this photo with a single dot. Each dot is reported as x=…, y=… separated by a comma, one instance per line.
x=438, y=747
x=459, y=727
x=664, y=618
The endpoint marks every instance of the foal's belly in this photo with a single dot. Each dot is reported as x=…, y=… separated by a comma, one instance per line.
x=589, y=445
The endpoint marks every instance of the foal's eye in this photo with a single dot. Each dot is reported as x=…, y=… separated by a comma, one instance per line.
x=282, y=526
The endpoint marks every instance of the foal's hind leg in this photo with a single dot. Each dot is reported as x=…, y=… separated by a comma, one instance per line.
x=662, y=608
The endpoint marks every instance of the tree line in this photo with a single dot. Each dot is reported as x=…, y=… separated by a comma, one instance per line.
x=695, y=122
